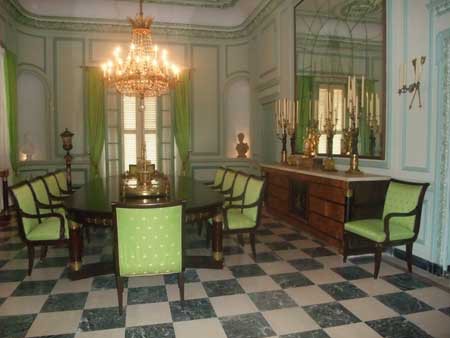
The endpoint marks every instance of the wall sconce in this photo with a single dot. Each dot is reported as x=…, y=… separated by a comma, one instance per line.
x=415, y=86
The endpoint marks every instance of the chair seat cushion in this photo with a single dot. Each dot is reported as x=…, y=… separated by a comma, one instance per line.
x=237, y=220
x=47, y=230
x=373, y=229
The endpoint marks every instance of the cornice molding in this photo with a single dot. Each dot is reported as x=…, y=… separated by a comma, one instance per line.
x=26, y=18
x=194, y=3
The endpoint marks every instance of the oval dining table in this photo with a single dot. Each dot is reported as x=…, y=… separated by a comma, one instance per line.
x=91, y=206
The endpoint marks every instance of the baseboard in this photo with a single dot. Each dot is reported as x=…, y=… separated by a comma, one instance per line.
x=421, y=263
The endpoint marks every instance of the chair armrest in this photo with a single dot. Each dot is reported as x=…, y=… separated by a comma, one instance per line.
x=66, y=192
x=388, y=217
x=236, y=198
x=57, y=198
x=49, y=206
x=61, y=222
x=208, y=183
x=225, y=213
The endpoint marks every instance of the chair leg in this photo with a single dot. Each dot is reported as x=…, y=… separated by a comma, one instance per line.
x=409, y=249
x=240, y=240
x=181, y=287
x=87, y=233
x=208, y=236
x=30, y=258
x=252, y=242
x=119, y=286
x=345, y=252
x=44, y=249
x=378, y=251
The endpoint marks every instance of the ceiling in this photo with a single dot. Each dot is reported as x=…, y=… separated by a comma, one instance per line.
x=211, y=13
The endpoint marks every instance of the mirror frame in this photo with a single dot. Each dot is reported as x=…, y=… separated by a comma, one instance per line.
x=383, y=105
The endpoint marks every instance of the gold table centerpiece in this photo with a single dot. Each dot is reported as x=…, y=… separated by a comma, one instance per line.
x=146, y=181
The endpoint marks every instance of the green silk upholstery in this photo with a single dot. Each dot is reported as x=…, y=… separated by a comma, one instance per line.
x=228, y=181
x=237, y=220
x=26, y=203
x=41, y=194
x=149, y=240
x=52, y=185
x=252, y=194
x=219, y=176
x=373, y=229
x=239, y=187
x=47, y=228
x=402, y=198
x=62, y=180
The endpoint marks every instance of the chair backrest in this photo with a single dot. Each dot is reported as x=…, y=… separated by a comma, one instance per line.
x=25, y=202
x=61, y=179
x=148, y=238
x=220, y=173
x=228, y=180
x=404, y=197
x=40, y=190
x=253, y=194
x=239, y=187
x=52, y=185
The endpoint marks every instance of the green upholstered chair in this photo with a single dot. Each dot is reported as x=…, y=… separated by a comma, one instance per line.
x=53, y=188
x=36, y=227
x=246, y=216
x=238, y=189
x=228, y=182
x=399, y=224
x=218, y=178
x=148, y=240
x=61, y=180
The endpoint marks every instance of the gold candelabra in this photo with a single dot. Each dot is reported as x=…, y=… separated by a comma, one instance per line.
x=353, y=131
x=286, y=117
x=311, y=143
x=329, y=129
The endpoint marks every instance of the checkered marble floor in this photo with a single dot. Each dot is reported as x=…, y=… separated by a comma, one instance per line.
x=296, y=288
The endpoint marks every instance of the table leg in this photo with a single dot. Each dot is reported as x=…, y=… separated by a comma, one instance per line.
x=5, y=216
x=75, y=246
x=217, y=247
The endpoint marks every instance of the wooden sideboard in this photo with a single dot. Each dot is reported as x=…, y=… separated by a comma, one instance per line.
x=321, y=202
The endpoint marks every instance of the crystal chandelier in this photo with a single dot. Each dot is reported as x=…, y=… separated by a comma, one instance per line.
x=145, y=71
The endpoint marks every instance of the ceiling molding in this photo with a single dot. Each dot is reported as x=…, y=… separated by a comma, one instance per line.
x=74, y=24
x=195, y=3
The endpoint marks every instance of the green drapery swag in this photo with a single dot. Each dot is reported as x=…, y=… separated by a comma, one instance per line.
x=305, y=97
x=182, y=120
x=96, y=117
x=11, y=106
x=364, y=130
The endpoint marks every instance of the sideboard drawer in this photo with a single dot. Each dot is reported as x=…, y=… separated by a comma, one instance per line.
x=326, y=225
x=327, y=193
x=326, y=208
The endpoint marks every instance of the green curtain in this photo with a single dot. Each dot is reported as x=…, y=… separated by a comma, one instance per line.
x=305, y=98
x=96, y=117
x=11, y=106
x=182, y=120
x=364, y=130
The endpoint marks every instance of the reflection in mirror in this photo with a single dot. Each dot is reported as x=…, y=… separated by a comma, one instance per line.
x=340, y=44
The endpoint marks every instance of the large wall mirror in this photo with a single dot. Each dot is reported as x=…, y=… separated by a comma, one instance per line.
x=336, y=40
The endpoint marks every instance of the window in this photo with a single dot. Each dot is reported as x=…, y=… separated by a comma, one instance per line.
x=137, y=127
x=337, y=92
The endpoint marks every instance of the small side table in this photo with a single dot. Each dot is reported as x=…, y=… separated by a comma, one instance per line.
x=4, y=215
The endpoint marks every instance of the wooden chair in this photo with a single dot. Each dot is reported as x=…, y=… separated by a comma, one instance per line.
x=218, y=178
x=53, y=188
x=148, y=240
x=37, y=228
x=399, y=225
x=61, y=180
x=245, y=217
